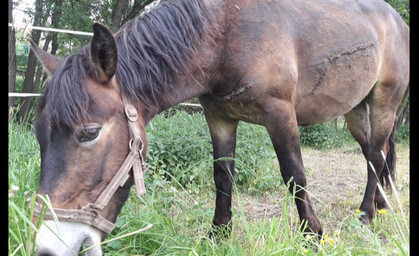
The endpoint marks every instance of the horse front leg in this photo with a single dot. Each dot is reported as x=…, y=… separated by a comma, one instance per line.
x=281, y=123
x=223, y=136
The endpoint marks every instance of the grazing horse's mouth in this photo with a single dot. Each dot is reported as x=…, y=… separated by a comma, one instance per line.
x=67, y=239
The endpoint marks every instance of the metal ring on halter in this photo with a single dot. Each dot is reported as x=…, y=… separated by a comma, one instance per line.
x=140, y=151
x=130, y=144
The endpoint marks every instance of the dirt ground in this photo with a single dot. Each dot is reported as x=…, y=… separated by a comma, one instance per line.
x=336, y=181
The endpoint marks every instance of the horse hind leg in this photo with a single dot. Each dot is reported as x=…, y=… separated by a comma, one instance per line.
x=388, y=171
x=358, y=123
x=371, y=123
x=359, y=126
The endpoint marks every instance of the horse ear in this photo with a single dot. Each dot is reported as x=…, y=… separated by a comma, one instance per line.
x=49, y=61
x=103, y=53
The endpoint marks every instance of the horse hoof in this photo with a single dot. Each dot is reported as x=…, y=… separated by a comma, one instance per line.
x=381, y=205
x=380, y=202
x=365, y=219
x=219, y=232
x=313, y=227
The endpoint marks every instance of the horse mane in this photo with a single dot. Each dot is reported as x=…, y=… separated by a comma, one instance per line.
x=158, y=45
x=66, y=91
x=153, y=49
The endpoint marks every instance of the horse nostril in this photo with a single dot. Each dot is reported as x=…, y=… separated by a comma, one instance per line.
x=45, y=252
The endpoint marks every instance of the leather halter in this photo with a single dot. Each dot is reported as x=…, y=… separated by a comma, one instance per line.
x=91, y=213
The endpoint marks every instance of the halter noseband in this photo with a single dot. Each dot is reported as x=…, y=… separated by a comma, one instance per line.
x=91, y=213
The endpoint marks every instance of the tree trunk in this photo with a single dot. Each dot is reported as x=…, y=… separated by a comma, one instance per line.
x=335, y=121
x=56, y=17
x=52, y=37
x=28, y=83
x=136, y=9
x=117, y=12
x=12, y=56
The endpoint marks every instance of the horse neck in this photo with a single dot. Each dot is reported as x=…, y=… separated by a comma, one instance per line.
x=160, y=67
x=189, y=86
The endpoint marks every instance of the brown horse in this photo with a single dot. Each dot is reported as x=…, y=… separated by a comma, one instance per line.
x=277, y=63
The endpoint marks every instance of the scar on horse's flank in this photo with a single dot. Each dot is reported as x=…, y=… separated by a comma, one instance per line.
x=323, y=69
x=237, y=92
x=352, y=50
x=323, y=66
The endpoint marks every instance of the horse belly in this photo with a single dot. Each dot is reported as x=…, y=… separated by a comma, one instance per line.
x=332, y=86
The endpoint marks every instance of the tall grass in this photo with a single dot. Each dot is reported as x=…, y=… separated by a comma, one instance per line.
x=24, y=166
x=180, y=201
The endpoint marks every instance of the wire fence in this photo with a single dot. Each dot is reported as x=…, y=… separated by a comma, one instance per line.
x=52, y=29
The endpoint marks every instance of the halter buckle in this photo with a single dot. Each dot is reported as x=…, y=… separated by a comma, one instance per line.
x=131, y=112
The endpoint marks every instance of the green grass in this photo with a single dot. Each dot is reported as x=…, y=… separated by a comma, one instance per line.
x=24, y=167
x=180, y=200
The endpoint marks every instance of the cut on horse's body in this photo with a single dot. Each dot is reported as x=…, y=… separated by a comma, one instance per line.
x=279, y=64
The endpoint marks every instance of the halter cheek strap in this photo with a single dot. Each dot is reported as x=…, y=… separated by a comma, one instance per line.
x=91, y=213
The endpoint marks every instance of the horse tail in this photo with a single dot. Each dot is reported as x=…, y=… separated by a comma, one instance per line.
x=389, y=169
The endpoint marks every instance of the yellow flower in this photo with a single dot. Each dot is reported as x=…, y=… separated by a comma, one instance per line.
x=332, y=241
x=322, y=241
x=325, y=236
x=357, y=211
x=305, y=251
x=382, y=211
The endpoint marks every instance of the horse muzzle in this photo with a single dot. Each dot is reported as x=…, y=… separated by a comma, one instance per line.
x=67, y=239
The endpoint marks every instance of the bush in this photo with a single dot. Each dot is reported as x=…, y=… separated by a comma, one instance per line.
x=179, y=148
x=402, y=7
x=256, y=163
x=180, y=153
x=324, y=136
x=403, y=134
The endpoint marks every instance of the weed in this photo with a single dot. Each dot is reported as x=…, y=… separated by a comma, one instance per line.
x=403, y=134
x=324, y=136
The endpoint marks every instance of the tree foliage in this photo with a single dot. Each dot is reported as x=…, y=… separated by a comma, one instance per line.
x=402, y=7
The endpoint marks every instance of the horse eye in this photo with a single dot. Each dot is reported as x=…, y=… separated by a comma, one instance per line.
x=88, y=134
